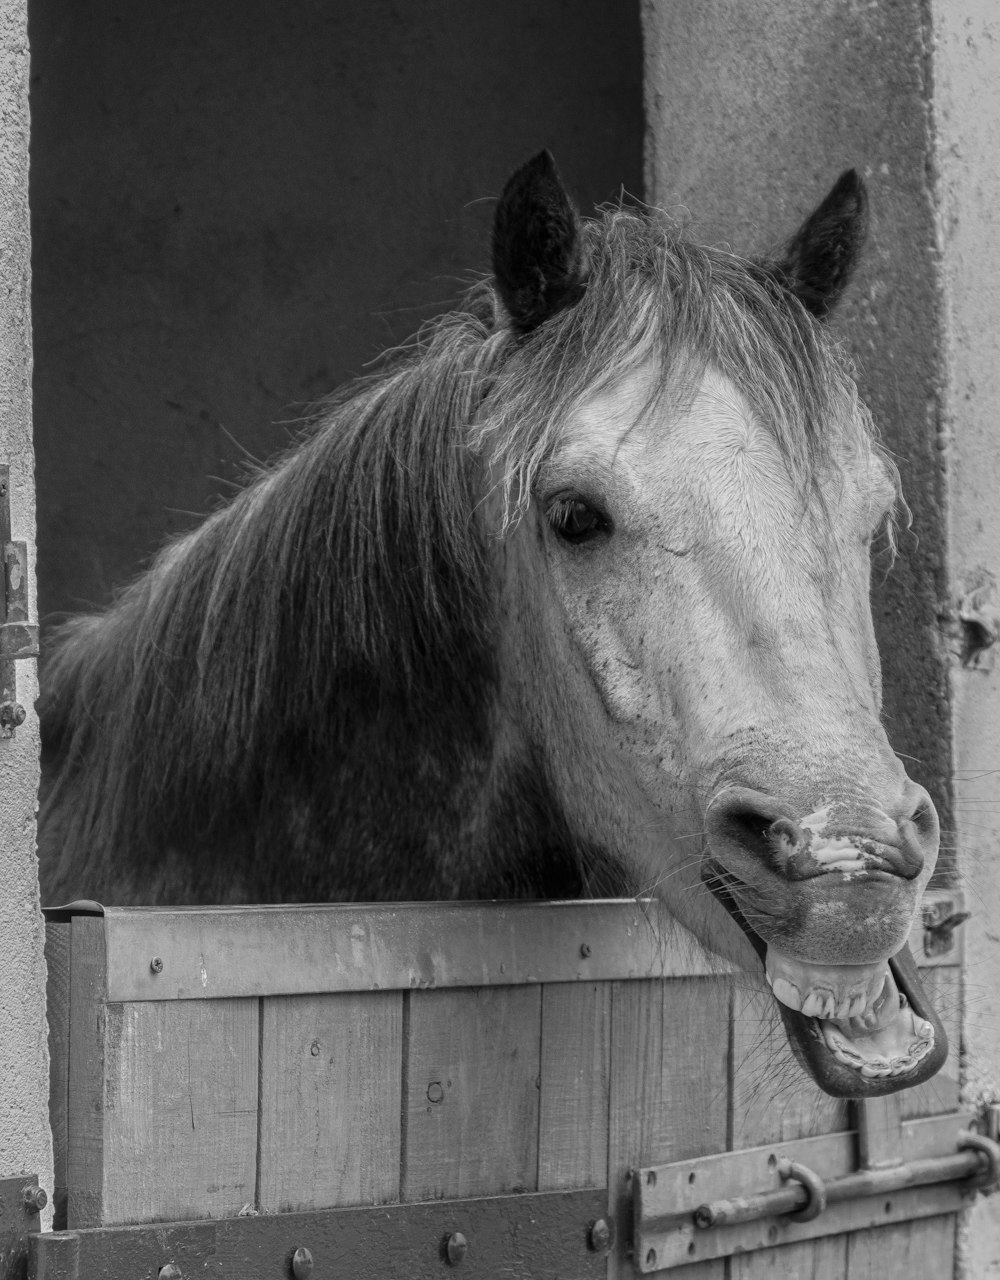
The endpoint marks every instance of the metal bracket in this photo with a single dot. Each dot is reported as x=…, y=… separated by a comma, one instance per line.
x=18, y=636
x=21, y=1199
x=746, y=1200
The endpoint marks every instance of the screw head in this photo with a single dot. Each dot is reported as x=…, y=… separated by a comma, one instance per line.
x=456, y=1247
x=585, y=949
x=156, y=965
x=170, y=1272
x=35, y=1198
x=302, y=1264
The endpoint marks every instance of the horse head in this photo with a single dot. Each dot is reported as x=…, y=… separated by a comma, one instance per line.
x=698, y=518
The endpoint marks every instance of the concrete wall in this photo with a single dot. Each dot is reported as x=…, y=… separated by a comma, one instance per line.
x=967, y=135
x=237, y=205
x=24, y=1134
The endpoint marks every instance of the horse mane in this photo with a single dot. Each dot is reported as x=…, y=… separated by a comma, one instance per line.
x=315, y=668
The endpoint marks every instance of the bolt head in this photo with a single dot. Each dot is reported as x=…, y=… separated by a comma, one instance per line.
x=601, y=1235
x=156, y=965
x=302, y=1264
x=585, y=949
x=456, y=1247
x=35, y=1198
x=170, y=1272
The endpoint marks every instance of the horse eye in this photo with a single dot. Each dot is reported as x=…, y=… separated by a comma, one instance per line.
x=576, y=521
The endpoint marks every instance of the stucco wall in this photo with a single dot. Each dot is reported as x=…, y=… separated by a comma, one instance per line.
x=967, y=110
x=754, y=108
x=24, y=1135
x=237, y=205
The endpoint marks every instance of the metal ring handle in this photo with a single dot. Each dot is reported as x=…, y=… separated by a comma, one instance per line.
x=815, y=1189
x=988, y=1176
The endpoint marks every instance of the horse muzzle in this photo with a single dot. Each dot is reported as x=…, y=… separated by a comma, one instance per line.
x=827, y=901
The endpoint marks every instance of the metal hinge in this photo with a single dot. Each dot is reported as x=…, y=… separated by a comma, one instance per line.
x=18, y=636
x=745, y=1200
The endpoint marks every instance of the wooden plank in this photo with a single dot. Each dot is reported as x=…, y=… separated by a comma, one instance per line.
x=330, y=1088
x=575, y=1080
x=812, y=1260
x=211, y=952
x=524, y=1237
x=57, y=1006
x=669, y=1087
x=923, y=1250
x=85, y=1091
x=471, y=1093
x=180, y=1103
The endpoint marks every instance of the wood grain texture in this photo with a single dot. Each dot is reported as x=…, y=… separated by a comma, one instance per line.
x=57, y=1003
x=85, y=1092
x=575, y=1081
x=331, y=1076
x=812, y=1260
x=923, y=1250
x=472, y=1085
x=180, y=1109
x=669, y=1086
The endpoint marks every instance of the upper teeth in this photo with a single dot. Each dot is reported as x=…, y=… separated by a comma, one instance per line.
x=825, y=991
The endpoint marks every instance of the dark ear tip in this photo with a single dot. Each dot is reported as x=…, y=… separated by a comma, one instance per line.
x=851, y=186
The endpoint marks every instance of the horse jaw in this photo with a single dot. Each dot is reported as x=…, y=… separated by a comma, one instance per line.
x=727, y=635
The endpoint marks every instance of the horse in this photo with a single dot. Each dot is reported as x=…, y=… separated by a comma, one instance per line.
x=580, y=578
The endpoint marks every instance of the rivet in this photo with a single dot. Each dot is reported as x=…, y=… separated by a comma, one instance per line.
x=456, y=1248
x=156, y=965
x=435, y=1093
x=170, y=1272
x=35, y=1198
x=600, y=1236
x=585, y=949
x=302, y=1264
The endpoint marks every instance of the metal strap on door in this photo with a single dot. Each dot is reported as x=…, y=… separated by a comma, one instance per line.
x=18, y=636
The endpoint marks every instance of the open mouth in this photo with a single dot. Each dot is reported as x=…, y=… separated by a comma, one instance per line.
x=861, y=1031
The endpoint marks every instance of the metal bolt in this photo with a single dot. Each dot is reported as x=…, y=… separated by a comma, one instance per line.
x=302, y=1264
x=585, y=949
x=601, y=1236
x=11, y=715
x=156, y=965
x=456, y=1247
x=35, y=1198
x=170, y=1272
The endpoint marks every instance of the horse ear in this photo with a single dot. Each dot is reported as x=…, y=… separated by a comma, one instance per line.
x=818, y=260
x=538, y=255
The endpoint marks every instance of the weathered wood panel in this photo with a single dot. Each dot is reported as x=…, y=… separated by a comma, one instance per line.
x=923, y=1250
x=180, y=1109
x=330, y=1099
x=575, y=1085
x=664, y=1033
x=85, y=1091
x=472, y=1085
x=57, y=1001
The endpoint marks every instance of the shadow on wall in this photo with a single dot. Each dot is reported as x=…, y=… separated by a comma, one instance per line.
x=236, y=206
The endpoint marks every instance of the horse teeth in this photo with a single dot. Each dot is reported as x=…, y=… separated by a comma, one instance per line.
x=787, y=993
